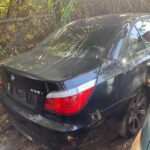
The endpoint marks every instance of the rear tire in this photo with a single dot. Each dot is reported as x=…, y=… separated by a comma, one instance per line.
x=135, y=115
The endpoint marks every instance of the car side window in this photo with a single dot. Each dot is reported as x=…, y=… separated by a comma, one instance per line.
x=135, y=40
x=143, y=26
x=117, y=47
x=132, y=45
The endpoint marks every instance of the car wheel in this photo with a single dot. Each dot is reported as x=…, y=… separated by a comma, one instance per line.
x=135, y=115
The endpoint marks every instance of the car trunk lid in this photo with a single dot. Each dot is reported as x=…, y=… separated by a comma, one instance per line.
x=26, y=91
x=52, y=68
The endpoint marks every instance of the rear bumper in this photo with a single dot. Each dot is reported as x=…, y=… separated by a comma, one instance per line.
x=43, y=130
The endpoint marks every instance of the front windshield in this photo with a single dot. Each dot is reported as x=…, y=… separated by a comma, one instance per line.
x=80, y=41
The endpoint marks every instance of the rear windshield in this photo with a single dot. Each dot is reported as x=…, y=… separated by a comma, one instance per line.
x=86, y=41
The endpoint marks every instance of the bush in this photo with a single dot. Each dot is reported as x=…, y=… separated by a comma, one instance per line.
x=25, y=23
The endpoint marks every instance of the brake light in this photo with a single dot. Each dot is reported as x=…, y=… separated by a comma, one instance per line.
x=70, y=101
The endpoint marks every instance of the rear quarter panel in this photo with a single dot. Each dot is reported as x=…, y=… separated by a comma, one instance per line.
x=115, y=88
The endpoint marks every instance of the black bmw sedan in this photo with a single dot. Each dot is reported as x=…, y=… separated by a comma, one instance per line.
x=86, y=72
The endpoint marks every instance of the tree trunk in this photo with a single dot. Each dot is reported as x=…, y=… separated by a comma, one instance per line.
x=9, y=9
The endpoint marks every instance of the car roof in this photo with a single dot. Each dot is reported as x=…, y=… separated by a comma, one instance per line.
x=111, y=19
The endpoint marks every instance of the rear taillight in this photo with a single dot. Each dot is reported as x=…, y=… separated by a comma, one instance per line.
x=70, y=101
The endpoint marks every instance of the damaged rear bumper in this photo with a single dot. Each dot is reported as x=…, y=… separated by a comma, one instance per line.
x=35, y=127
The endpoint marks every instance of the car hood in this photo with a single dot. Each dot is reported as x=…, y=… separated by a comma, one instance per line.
x=50, y=67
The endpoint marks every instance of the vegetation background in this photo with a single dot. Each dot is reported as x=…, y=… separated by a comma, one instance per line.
x=24, y=23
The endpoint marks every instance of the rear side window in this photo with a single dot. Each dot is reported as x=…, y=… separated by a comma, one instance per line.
x=135, y=40
x=143, y=26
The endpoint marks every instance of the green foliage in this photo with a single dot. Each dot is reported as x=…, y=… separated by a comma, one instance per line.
x=60, y=10
x=24, y=25
x=66, y=10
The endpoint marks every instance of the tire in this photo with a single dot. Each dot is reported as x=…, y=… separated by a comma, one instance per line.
x=135, y=115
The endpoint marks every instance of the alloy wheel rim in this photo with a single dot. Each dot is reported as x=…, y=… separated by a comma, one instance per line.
x=137, y=113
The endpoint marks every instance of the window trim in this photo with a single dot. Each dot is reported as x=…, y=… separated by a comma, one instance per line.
x=128, y=25
x=133, y=26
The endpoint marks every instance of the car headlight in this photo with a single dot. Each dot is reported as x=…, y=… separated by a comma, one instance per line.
x=137, y=142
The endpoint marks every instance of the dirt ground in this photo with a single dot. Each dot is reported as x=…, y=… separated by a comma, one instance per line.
x=10, y=139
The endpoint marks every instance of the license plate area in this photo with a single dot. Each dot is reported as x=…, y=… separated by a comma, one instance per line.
x=22, y=90
x=21, y=93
